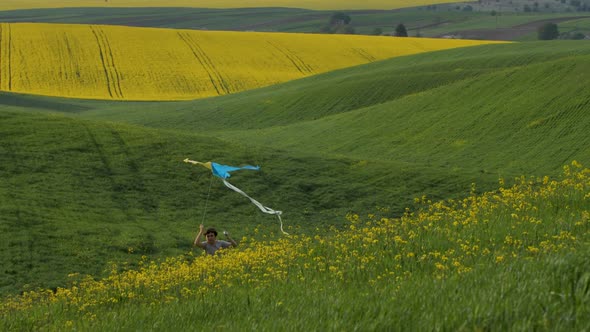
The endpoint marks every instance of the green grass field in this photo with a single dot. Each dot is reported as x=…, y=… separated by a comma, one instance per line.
x=423, y=21
x=375, y=108
x=85, y=183
x=512, y=259
x=368, y=137
x=78, y=194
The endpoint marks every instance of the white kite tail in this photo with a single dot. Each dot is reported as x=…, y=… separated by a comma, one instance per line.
x=262, y=208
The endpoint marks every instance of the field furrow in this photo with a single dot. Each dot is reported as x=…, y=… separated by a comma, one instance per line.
x=5, y=57
x=364, y=54
x=108, y=63
x=1, y=56
x=113, y=66
x=301, y=66
x=109, y=167
x=124, y=63
x=216, y=79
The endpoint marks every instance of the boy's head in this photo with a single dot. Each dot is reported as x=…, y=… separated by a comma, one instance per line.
x=211, y=235
x=211, y=230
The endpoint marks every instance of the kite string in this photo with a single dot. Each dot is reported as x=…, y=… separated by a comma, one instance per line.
x=207, y=200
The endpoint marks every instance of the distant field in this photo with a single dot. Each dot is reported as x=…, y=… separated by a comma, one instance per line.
x=309, y=4
x=123, y=63
x=426, y=21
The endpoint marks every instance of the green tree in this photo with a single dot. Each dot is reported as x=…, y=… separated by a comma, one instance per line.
x=400, y=31
x=548, y=31
x=338, y=23
x=339, y=18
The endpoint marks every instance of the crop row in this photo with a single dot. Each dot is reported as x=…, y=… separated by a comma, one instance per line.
x=114, y=62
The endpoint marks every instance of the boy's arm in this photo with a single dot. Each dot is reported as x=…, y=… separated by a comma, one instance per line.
x=233, y=243
x=198, y=238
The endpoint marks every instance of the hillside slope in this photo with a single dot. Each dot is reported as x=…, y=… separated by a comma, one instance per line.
x=126, y=63
x=76, y=194
x=331, y=93
x=529, y=119
x=364, y=139
x=503, y=109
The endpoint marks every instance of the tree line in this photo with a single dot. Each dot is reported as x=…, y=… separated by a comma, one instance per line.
x=340, y=23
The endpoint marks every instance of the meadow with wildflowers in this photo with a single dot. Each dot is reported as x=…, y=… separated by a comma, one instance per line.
x=510, y=259
x=77, y=194
x=104, y=179
x=387, y=174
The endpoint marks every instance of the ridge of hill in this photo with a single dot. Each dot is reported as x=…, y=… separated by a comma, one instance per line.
x=327, y=94
x=476, y=123
x=403, y=103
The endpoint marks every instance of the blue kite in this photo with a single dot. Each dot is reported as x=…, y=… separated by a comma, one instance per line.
x=223, y=172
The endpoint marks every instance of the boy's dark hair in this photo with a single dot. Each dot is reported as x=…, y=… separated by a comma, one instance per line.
x=211, y=230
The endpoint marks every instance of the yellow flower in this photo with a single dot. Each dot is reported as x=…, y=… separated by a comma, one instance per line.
x=131, y=63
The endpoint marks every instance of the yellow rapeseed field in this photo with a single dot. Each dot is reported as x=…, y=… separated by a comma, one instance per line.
x=125, y=63
x=308, y=4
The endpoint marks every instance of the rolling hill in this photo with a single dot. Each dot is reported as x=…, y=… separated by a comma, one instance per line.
x=104, y=179
x=499, y=20
x=417, y=185
x=124, y=63
x=456, y=100
x=77, y=194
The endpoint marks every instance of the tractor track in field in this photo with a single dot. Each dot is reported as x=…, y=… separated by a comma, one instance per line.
x=108, y=63
x=217, y=80
x=5, y=57
x=301, y=66
x=108, y=172
x=137, y=182
x=121, y=170
x=364, y=54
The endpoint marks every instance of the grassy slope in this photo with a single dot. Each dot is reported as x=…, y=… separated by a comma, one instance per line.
x=516, y=260
x=521, y=128
x=75, y=195
x=456, y=100
x=415, y=127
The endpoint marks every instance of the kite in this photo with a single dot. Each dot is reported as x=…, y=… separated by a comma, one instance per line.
x=223, y=172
